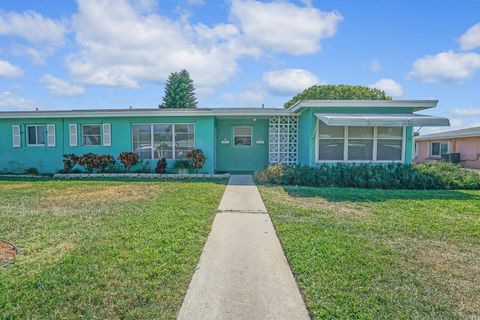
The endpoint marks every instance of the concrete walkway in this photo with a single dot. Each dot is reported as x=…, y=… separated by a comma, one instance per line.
x=242, y=273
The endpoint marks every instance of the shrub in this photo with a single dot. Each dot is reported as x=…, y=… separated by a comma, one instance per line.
x=143, y=166
x=197, y=158
x=31, y=171
x=128, y=159
x=182, y=164
x=93, y=162
x=161, y=166
x=69, y=162
x=374, y=176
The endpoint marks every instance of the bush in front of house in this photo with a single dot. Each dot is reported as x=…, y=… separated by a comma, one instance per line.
x=31, y=171
x=128, y=159
x=182, y=166
x=95, y=162
x=374, y=176
x=161, y=166
x=197, y=157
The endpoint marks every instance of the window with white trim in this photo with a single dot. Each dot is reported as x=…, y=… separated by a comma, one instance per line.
x=353, y=144
x=36, y=135
x=389, y=143
x=169, y=141
x=91, y=135
x=242, y=136
x=439, y=148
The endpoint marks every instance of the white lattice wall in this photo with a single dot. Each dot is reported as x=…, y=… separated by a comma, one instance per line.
x=283, y=139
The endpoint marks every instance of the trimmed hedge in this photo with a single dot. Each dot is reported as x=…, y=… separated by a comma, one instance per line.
x=373, y=176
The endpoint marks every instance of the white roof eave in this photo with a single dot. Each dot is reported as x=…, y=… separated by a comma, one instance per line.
x=398, y=120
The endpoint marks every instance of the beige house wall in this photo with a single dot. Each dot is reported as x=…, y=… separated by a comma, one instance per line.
x=469, y=149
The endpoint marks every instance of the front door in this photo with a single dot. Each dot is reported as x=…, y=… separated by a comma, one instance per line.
x=242, y=145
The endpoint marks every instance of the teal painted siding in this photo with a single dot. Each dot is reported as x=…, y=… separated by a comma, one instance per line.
x=49, y=159
x=241, y=158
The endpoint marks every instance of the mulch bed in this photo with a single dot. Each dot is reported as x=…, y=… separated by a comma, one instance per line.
x=7, y=252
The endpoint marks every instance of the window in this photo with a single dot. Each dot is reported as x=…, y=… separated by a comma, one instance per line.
x=183, y=140
x=331, y=142
x=389, y=143
x=156, y=141
x=91, y=135
x=439, y=148
x=242, y=136
x=36, y=135
x=359, y=143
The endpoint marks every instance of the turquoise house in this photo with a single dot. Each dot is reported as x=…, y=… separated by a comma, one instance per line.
x=233, y=139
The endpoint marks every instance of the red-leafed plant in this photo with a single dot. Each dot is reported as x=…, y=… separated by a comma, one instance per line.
x=197, y=157
x=161, y=166
x=69, y=162
x=128, y=160
x=92, y=162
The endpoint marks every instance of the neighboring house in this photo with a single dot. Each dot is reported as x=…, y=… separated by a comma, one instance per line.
x=233, y=139
x=466, y=142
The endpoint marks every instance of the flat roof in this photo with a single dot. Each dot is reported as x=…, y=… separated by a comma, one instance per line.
x=142, y=112
x=416, y=105
x=460, y=133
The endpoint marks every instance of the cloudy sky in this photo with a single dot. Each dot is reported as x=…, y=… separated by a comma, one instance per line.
x=118, y=53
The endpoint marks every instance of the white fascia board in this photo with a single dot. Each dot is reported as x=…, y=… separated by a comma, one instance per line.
x=417, y=105
x=142, y=113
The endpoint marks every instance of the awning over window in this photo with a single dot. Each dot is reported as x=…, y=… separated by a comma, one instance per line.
x=382, y=120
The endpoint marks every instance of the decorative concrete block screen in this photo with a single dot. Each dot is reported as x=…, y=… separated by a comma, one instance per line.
x=283, y=139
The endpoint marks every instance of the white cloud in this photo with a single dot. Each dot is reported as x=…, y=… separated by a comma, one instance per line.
x=33, y=27
x=282, y=26
x=289, y=81
x=8, y=70
x=251, y=97
x=375, y=66
x=61, y=87
x=446, y=66
x=391, y=87
x=43, y=35
x=471, y=38
x=121, y=45
x=466, y=111
x=12, y=101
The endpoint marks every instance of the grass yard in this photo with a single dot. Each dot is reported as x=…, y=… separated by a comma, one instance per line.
x=102, y=249
x=381, y=254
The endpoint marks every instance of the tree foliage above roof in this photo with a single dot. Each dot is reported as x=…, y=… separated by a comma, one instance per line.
x=179, y=91
x=338, y=92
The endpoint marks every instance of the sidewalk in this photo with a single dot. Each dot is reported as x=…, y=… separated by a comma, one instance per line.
x=242, y=273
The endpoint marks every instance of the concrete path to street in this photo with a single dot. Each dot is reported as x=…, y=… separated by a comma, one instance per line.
x=243, y=273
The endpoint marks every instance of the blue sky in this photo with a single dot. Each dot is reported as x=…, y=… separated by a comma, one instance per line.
x=118, y=53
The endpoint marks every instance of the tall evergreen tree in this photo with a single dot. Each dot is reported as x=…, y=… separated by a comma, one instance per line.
x=179, y=91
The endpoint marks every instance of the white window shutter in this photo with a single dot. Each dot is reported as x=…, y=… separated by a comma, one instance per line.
x=73, y=135
x=107, y=135
x=16, y=136
x=51, y=135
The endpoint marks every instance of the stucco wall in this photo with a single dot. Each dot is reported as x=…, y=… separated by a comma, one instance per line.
x=49, y=159
x=469, y=149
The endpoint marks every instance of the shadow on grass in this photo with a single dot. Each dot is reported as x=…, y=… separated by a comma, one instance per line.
x=377, y=195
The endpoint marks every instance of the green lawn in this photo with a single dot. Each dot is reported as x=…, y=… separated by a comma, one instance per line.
x=102, y=249
x=381, y=254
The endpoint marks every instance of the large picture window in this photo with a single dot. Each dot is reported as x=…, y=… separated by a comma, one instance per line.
x=336, y=143
x=156, y=141
x=36, y=135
